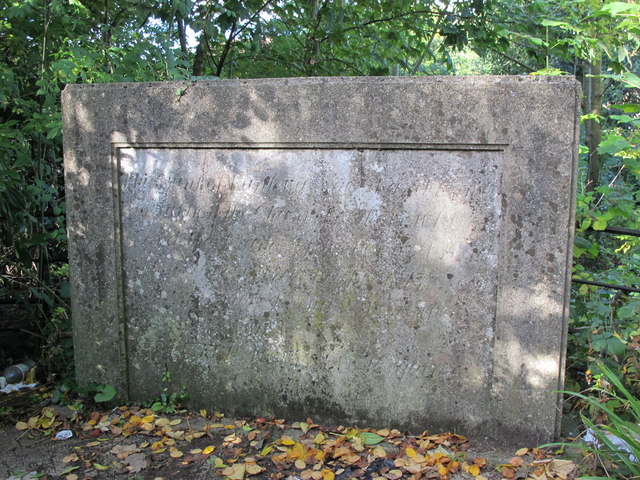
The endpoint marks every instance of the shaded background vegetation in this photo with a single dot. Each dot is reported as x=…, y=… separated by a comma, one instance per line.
x=45, y=44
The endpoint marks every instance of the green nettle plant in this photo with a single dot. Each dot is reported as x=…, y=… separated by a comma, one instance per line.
x=615, y=440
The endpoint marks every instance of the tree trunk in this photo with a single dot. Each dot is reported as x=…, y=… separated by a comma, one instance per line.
x=182, y=35
x=312, y=43
x=198, y=60
x=593, y=130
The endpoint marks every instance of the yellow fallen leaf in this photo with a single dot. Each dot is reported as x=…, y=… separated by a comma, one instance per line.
x=383, y=433
x=97, y=466
x=157, y=445
x=22, y=426
x=208, y=450
x=162, y=422
x=92, y=444
x=203, y=413
x=266, y=450
x=379, y=452
x=229, y=427
x=216, y=425
x=195, y=451
x=284, y=440
x=160, y=450
x=134, y=420
x=177, y=421
x=474, y=470
x=175, y=453
x=521, y=452
x=328, y=474
x=410, y=452
x=147, y=419
x=319, y=438
x=71, y=476
x=300, y=464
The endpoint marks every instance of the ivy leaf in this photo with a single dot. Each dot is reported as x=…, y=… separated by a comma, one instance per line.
x=104, y=393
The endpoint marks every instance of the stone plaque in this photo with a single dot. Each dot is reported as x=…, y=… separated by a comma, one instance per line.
x=283, y=249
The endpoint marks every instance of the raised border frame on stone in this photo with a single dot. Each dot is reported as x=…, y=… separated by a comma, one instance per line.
x=532, y=120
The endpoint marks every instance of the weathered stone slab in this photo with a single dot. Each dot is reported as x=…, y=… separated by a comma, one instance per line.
x=390, y=251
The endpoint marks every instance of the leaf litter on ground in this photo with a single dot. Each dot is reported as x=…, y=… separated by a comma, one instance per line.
x=270, y=448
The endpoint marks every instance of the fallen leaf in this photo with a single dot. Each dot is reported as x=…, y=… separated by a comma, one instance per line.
x=208, y=450
x=516, y=461
x=300, y=464
x=235, y=472
x=508, y=471
x=97, y=466
x=521, y=452
x=137, y=462
x=474, y=470
x=410, y=452
x=70, y=458
x=195, y=451
x=175, y=422
x=162, y=422
x=284, y=440
x=379, y=452
x=22, y=426
x=123, y=451
x=253, y=468
x=371, y=438
x=393, y=474
x=175, y=453
x=562, y=468
x=92, y=444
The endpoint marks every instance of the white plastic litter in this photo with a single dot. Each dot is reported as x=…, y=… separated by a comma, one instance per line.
x=14, y=387
x=619, y=443
x=64, y=435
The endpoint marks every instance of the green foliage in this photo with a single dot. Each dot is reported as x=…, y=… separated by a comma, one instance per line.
x=170, y=399
x=619, y=411
x=582, y=37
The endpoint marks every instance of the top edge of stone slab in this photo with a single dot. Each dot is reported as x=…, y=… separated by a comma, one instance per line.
x=491, y=79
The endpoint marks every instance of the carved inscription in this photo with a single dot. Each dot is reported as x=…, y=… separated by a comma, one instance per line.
x=313, y=258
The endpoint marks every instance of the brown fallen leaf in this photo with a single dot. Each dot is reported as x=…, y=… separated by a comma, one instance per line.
x=136, y=462
x=123, y=451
